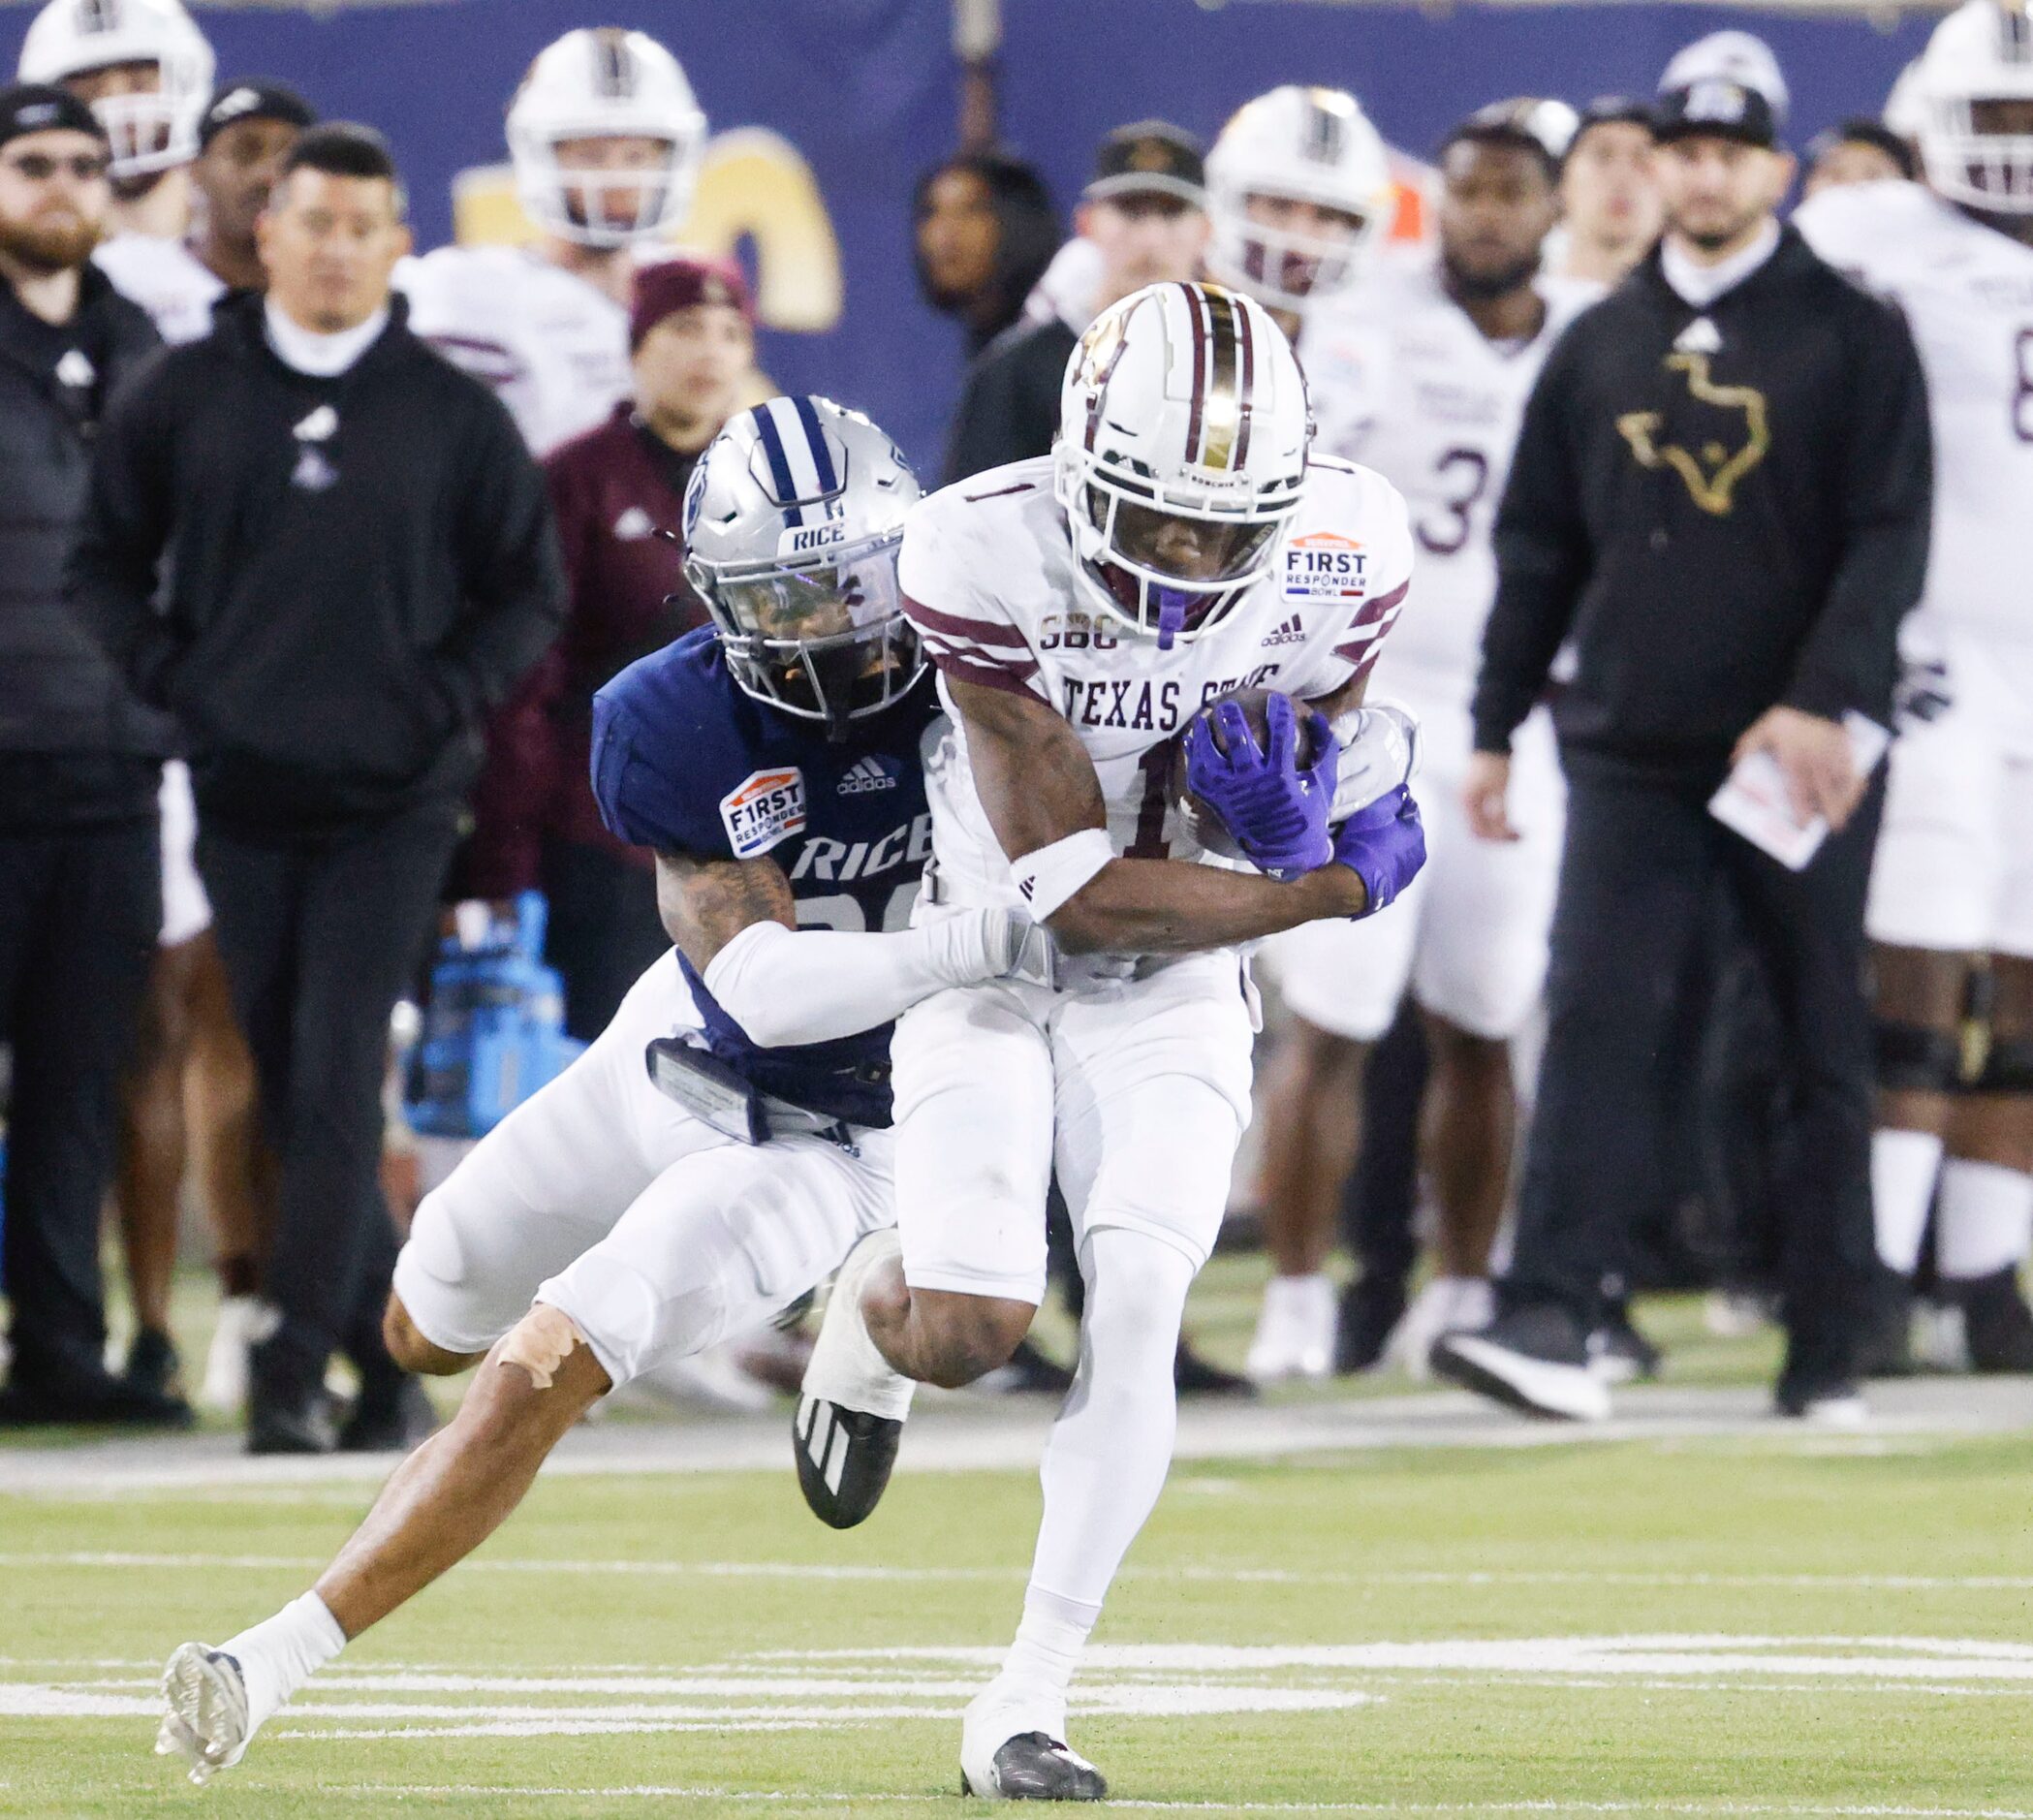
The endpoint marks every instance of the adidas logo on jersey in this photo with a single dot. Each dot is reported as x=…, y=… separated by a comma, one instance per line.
x=864, y=777
x=1291, y=632
x=634, y=525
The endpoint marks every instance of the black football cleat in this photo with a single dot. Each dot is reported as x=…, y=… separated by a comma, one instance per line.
x=844, y=1459
x=1035, y=1765
x=850, y=1416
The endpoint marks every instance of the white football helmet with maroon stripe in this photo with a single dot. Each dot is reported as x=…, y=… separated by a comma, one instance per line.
x=1975, y=87
x=1182, y=442
x=147, y=132
x=601, y=83
x=1295, y=144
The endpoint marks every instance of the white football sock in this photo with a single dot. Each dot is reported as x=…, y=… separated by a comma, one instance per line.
x=1048, y=1642
x=280, y=1653
x=1106, y=1461
x=1987, y=1218
x=1903, y=1167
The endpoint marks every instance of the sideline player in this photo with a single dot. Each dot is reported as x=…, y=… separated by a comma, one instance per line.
x=242, y=137
x=146, y=70
x=773, y=763
x=1952, y=888
x=1178, y=545
x=1298, y=194
x=1423, y=376
x=606, y=139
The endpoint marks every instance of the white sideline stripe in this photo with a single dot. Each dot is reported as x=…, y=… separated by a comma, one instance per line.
x=1221, y=1575
x=1723, y=1809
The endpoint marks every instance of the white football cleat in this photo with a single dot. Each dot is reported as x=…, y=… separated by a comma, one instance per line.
x=205, y=1717
x=851, y=1412
x=1294, y=1330
x=1014, y=1747
x=1448, y=1304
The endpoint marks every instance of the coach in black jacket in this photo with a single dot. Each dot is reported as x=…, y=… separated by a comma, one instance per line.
x=80, y=880
x=1720, y=496
x=357, y=561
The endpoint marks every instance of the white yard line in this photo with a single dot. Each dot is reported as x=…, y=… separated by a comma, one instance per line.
x=1721, y=1810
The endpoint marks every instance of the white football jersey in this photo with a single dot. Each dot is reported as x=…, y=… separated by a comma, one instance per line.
x=1966, y=291
x=167, y=279
x=1403, y=382
x=554, y=346
x=991, y=582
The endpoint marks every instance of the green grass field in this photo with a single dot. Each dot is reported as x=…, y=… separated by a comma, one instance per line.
x=1757, y=1623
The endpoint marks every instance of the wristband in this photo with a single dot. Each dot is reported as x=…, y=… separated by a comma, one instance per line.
x=1048, y=876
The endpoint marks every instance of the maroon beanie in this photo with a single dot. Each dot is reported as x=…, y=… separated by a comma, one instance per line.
x=677, y=284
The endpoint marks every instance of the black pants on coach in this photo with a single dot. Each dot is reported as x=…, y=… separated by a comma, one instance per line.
x=319, y=940
x=1642, y=859
x=80, y=909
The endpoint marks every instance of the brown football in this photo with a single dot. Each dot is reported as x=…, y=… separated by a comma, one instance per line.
x=1200, y=821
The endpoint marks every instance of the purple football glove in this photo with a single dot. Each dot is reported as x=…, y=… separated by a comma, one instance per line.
x=1384, y=845
x=1274, y=811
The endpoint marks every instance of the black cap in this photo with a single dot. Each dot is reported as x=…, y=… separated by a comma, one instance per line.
x=39, y=107
x=254, y=99
x=1529, y=122
x=1863, y=130
x=1612, y=111
x=1715, y=108
x=1151, y=158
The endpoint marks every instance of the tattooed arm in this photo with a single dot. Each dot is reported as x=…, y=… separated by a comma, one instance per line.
x=737, y=922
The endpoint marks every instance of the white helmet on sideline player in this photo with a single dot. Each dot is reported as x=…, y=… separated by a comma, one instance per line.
x=792, y=521
x=1976, y=117
x=603, y=82
x=147, y=132
x=1182, y=441
x=1309, y=145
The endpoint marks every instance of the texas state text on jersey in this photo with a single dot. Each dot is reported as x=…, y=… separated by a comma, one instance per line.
x=991, y=582
x=685, y=762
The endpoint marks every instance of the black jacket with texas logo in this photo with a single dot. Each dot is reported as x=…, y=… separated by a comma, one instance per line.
x=1721, y=508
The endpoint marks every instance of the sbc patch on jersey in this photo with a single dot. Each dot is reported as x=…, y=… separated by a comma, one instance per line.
x=765, y=808
x=1324, y=565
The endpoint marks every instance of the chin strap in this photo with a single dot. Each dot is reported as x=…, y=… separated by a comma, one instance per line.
x=1171, y=614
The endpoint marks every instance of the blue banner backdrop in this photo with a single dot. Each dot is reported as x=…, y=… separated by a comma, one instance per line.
x=862, y=94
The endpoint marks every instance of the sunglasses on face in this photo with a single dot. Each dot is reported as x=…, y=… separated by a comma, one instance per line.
x=41, y=167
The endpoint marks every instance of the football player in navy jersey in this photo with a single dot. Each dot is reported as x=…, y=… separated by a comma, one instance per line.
x=725, y=1143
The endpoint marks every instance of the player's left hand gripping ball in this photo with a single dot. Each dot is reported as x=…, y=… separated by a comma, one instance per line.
x=1276, y=809
x=1385, y=845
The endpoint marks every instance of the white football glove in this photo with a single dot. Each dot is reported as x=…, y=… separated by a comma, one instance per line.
x=1021, y=950
x=1379, y=751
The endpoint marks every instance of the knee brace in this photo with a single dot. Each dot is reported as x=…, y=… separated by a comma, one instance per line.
x=2008, y=1067
x=1912, y=1058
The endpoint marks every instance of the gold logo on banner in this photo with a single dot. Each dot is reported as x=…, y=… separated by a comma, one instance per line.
x=1741, y=437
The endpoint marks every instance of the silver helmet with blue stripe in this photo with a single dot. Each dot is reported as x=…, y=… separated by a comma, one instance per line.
x=793, y=522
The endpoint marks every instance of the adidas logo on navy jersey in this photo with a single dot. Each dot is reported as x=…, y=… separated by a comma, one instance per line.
x=1699, y=336
x=1291, y=632
x=865, y=775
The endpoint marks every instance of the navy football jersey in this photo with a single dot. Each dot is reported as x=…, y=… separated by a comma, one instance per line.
x=685, y=762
